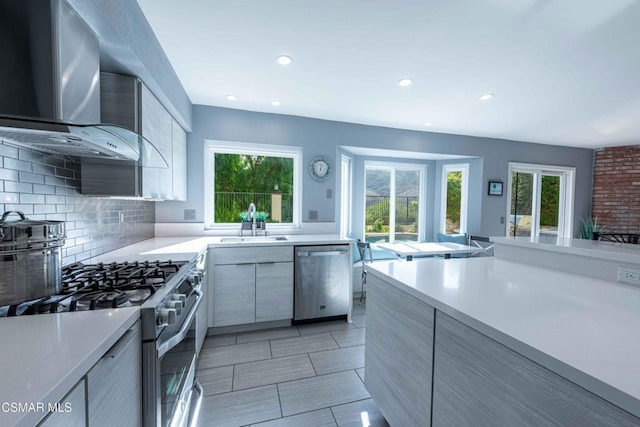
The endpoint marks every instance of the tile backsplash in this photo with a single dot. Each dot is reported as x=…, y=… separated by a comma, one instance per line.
x=48, y=187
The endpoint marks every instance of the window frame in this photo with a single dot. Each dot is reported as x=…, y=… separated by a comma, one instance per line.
x=346, y=195
x=422, y=202
x=212, y=147
x=464, y=195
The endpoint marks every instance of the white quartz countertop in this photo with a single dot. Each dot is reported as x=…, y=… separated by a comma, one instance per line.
x=584, y=329
x=619, y=252
x=188, y=247
x=44, y=356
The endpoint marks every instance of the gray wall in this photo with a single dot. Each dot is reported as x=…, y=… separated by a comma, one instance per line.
x=48, y=187
x=322, y=137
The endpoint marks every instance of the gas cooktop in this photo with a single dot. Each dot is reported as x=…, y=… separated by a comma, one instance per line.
x=96, y=286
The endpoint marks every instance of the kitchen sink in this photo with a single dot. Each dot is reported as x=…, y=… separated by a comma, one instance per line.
x=256, y=239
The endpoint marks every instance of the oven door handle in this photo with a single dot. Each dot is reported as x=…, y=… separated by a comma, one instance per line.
x=184, y=329
x=196, y=411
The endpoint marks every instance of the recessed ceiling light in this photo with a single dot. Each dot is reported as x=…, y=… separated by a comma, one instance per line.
x=231, y=98
x=275, y=103
x=284, y=60
x=486, y=97
x=405, y=82
x=429, y=123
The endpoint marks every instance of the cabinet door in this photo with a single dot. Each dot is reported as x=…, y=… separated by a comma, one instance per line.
x=71, y=410
x=274, y=291
x=179, y=163
x=114, y=384
x=157, y=127
x=480, y=382
x=234, y=294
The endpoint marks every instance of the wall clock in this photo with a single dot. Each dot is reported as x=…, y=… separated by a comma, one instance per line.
x=320, y=168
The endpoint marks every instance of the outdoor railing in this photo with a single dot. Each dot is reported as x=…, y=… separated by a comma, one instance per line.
x=228, y=205
x=379, y=207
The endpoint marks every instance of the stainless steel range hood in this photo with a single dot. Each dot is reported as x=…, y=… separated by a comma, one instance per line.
x=50, y=86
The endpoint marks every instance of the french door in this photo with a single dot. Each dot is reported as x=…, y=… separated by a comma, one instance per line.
x=540, y=200
x=394, y=207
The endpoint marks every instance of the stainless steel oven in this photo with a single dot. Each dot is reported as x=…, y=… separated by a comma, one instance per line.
x=169, y=353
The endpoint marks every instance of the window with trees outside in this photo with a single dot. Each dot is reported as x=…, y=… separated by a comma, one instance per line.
x=394, y=205
x=455, y=184
x=239, y=174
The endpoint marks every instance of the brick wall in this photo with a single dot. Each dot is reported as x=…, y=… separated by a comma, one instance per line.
x=616, y=188
x=48, y=187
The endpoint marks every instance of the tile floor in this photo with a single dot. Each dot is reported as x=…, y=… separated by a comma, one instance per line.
x=307, y=376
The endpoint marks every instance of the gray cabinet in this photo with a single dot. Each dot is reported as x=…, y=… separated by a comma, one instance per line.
x=399, y=354
x=179, y=162
x=480, y=382
x=157, y=127
x=274, y=291
x=71, y=410
x=234, y=294
x=114, y=384
x=127, y=102
x=251, y=284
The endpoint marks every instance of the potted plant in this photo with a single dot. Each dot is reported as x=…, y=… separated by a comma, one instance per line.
x=246, y=222
x=590, y=229
x=261, y=218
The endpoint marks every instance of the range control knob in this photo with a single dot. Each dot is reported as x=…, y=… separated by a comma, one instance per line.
x=196, y=277
x=181, y=298
x=166, y=317
x=176, y=305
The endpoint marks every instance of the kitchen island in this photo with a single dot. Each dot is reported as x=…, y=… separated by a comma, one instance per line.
x=484, y=341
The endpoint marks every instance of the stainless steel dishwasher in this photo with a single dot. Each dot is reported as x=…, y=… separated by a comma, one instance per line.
x=321, y=282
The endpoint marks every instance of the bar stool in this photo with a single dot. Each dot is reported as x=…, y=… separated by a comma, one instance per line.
x=362, y=248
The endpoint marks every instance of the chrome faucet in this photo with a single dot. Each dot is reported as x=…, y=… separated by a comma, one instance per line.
x=251, y=214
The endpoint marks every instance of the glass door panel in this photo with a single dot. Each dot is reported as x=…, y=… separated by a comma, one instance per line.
x=549, y=205
x=407, y=205
x=377, y=204
x=454, y=193
x=522, y=203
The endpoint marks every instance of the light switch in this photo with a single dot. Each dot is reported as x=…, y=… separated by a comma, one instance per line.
x=329, y=193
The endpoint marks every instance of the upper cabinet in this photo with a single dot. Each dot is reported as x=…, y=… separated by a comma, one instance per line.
x=157, y=128
x=179, y=162
x=127, y=102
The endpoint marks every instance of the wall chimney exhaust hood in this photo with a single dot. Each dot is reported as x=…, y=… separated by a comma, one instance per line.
x=50, y=86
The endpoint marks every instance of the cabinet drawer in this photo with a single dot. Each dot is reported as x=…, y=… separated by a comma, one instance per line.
x=253, y=254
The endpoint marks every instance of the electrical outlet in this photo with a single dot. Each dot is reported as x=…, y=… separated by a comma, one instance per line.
x=313, y=215
x=189, y=214
x=629, y=275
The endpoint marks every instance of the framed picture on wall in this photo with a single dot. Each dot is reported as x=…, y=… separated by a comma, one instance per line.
x=495, y=188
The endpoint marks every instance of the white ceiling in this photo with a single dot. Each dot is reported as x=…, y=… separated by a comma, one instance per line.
x=563, y=72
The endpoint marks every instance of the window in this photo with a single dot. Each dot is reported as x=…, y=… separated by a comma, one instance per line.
x=346, y=194
x=454, y=196
x=238, y=174
x=394, y=206
x=540, y=200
